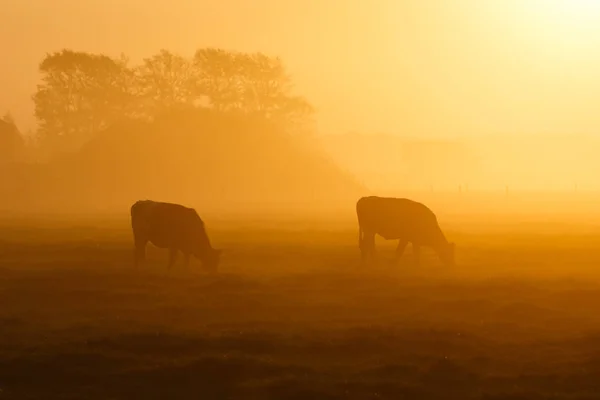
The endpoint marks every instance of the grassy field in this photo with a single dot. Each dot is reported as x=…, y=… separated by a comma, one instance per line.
x=292, y=316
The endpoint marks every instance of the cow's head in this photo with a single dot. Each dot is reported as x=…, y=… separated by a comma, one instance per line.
x=447, y=254
x=210, y=259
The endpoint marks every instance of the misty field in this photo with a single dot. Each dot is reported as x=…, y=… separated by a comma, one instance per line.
x=292, y=315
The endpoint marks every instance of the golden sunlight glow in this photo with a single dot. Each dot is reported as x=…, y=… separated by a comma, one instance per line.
x=572, y=7
x=494, y=92
x=569, y=29
x=570, y=14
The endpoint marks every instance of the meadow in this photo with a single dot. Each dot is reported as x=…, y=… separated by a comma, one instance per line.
x=292, y=314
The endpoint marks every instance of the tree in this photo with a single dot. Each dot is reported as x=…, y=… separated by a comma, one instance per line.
x=267, y=87
x=165, y=81
x=83, y=93
x=80, y=94
x=248, y=83
x=218, y=78
x=12, y=143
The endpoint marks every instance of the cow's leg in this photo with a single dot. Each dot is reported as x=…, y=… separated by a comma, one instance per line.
x=139, y=251
x=400, y=249
x=362, y=245
x=371, y=248
x=363, y=253
x=416, y=254
x=186, y=260
x=172, y=257
x=367, y=247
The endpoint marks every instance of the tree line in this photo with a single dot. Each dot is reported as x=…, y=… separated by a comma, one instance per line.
x=81, y=93
x=212, y=126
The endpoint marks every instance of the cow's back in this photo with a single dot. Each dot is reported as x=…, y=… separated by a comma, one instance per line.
x=397, y=218
x=166, y=224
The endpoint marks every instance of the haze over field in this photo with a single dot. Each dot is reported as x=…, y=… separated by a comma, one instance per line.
x=496, y=78
x=271, y=119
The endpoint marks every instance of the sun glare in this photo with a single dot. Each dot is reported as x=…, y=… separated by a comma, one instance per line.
x=570, y=27
x=575, y=6
x=567, y=11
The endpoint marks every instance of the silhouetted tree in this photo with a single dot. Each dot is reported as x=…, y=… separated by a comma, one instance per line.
x=83, y=93
x=80, y=94
x=165, y=80
x=12, y=143
x=267, y=88
x=248, y=83
x=218, y=79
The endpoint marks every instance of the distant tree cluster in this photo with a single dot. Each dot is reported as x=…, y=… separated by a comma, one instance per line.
x=82, y=93
x=12, y=144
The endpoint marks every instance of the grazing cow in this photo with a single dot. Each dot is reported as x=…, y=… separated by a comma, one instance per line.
x=174, y=227
x=402, y=219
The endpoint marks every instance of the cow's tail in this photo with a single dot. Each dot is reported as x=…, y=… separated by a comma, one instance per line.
x=361, y=236
x=361, y=233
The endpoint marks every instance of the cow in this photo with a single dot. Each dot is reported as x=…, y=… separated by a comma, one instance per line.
x=402, y=219
x=174, y=227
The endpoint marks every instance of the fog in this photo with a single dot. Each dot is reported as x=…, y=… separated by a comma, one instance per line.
x=559, y=163
x=272, y=119
x=390, y=97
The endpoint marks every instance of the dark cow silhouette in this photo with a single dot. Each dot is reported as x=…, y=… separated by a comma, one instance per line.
x=402, y=219
x=174, y=227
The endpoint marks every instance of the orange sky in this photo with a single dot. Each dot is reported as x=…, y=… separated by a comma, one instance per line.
x=426, y=67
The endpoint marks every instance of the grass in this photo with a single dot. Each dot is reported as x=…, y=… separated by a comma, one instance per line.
x=292, y=315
